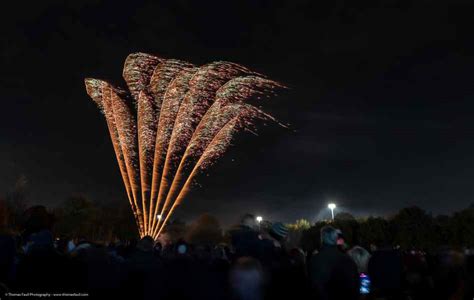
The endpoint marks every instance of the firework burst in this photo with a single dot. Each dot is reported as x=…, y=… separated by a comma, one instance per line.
x=174, y=121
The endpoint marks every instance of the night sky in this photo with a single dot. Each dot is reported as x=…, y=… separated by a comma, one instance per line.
x=380, y=105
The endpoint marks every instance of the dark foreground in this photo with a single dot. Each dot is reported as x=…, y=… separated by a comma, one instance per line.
x=253, y=265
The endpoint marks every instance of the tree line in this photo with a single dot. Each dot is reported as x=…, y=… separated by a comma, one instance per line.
x=409, y=228
x=78, y=216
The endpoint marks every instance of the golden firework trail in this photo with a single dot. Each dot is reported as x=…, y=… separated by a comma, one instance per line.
x=220, y=112
x=171, y=103
x=173, y=122
x=148, y=110
x=202, y=89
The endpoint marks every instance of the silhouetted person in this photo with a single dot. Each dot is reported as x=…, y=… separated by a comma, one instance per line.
x=247, y=279
x=245, y=239
x=333, y=273
x=144, y=271
x=385, y=271
x=361, y=258
x=37, y=218
x=7, y=258
x=450, y=276
x=42, y=267
x=99, y=272
x=286, y=276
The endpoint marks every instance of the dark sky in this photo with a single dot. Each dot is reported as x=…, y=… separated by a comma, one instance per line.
x=381, y=100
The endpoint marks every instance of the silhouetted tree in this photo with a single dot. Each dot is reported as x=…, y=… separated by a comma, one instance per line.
x=349, y=227
x=16, y=203
x=443, y=230
x=77, y=217
x=205, y=230
x=175, y=230
x=296, y=231
x=413, y=227
x=344, y=216
x=4, y=216
x=374, y=230
x=123, y=223
x=36, y=218
x=462, y=228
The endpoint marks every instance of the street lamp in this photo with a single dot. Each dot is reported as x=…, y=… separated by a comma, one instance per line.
x=332, y=207
x=159, y=217
x=259, y=219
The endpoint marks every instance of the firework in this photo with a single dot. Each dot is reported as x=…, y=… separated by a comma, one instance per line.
x=171, y=103
x=148, y=111
x=174, y=121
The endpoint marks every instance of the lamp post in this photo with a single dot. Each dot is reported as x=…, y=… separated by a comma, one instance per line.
x=259, y=220
x=332, y=207
x=158, y=217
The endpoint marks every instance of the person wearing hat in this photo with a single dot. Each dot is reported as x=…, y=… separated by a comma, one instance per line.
x=278, y=233
x=333, y=274
x=284, y=280
x=273, y=242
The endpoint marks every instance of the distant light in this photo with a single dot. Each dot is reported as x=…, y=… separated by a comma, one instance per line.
x=332, y=207
x=158, y=217
x=259, y=219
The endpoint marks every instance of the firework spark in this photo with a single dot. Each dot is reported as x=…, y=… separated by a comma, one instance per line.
x=220, y=112
x=220, y=143
x=148, y=111
x=202, y=89
x=181, y=120
x=137, y=72
x=173, y=98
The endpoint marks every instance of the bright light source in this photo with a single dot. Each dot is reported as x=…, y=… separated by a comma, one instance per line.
x=259, y=219
x=332, y=206
x=158, y=217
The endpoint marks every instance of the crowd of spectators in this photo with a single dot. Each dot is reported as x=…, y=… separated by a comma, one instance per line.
x=256, y=263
